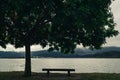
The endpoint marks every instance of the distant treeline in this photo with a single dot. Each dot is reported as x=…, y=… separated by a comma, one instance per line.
x=46, y=54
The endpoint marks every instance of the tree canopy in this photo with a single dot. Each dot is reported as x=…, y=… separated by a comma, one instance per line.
x=61, y=24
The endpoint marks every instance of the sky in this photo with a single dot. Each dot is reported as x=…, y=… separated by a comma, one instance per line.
x=114, y=41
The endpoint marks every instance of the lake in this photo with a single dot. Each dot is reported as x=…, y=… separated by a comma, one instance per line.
x=81, y=65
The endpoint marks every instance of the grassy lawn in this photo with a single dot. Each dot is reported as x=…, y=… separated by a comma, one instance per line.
x=54, y=76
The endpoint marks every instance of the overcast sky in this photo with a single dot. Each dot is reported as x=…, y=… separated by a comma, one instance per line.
x=115, y=41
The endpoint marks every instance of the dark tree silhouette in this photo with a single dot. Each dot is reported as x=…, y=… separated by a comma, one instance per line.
x=61, y=24
x=3, y=37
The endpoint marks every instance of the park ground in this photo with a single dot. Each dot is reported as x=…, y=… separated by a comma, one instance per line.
x=54, y=76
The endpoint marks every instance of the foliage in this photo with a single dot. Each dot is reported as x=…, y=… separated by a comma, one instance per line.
x=61, y=24
x=85, y=22
x=3, y=38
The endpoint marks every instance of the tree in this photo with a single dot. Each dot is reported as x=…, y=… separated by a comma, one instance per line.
x=3, y=38
x=61, y=24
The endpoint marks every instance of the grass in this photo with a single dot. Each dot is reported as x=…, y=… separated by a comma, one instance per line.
x=54, y=76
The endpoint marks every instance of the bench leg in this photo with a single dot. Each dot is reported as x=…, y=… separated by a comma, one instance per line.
x=48, y=72
x=68, y=73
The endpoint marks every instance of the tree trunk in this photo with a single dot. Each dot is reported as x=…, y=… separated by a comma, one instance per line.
x=27, y=72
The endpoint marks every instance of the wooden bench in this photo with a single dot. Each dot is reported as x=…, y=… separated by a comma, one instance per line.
x=51, y=69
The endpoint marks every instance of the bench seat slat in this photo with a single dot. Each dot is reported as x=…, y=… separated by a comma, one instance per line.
x=48, y=69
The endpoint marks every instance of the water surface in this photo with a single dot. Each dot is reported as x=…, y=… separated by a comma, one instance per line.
x=84, y=65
